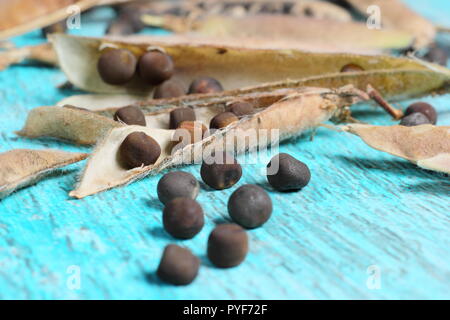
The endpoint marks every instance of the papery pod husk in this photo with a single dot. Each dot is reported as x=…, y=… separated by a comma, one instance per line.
x=396, y=14
x=20, y=16
x=307, y=109
x=270, y=27
x=316, y=9
x=22, y=167
x=78, y=58
x=74, y=125
x=42, y=53
x=427, y=146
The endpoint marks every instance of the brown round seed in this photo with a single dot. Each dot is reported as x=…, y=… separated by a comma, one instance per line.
x=289, y=173
x=351, y=67
x=227, y=245
x=250, y=206
x=183, y=218
x=424, y=108
x=223, y=120
x=138, y=149
x=177, y=184
x=169, y=89
x=178, y=265
x=155, y=67
x=190, y=132
x=221, y=171
x=240, y=109
x=117, y=66
x=130, y=115
x=205, y=85
x=179, y=115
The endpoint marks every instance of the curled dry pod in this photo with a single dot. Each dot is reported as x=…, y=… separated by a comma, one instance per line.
x=427, y=146
x=21, y=168
x=307, y=108
x=397, y=15
x=78, y=57
x=78, y=126
x=318, y=31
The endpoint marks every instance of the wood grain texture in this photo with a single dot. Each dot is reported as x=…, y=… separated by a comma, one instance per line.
x=362, y=208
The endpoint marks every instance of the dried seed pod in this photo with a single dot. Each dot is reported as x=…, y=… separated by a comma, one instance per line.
x=183, y=218
x=59, y=27
x=250, y=206
x=223, y=120
x=423, y=108
x=285, y=173
x=205, y=85
x=77, y=126
x=130, y=115
x=138, y=149
x=177, y=184
x=314, y=69
x=437, y=55
x=155, y=67
x=117, y=66
x=352, y=67
x=21, y=168
x=307, y=108
x=227, y=245
x=240, y=108
x=414, y=119
x=169, y=89
x=221, y=171
x=178, y=265
x=179, y=115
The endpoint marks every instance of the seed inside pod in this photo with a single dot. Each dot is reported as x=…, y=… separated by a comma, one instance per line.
x=183, y=218
x=138, y=149
x=437, y=55
x=221, y=171
x=351, y=67
x=227, y=245
x=240, y=108
x=424, y=108
x=205, y=85
x=117, y=66
x=414, y=119
x=130, y=115
x=285, y=173
x=250, y=206
x=177, y=184
x=179, y=115
x=169, y=89
x=223, y=120
x=155, y=67
x=178, y=265
x=190, y=132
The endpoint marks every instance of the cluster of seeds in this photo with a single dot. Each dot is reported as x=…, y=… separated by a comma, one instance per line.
x=249, y=207
x=188, y=131
x=155, y=68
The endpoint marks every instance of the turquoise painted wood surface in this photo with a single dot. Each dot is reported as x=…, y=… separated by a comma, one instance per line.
x=363, y=208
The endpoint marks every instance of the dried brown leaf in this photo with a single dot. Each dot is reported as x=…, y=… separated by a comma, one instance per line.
x=427, y=146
